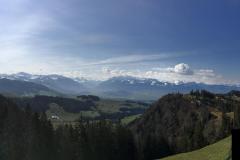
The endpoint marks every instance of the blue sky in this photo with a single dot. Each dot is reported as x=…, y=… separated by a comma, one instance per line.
x=144, y=38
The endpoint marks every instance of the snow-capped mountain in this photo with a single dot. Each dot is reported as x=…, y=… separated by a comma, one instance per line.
x=56, y=82
x=117, y=87
x=88, y=84
x=131, y=82
x=151, y=88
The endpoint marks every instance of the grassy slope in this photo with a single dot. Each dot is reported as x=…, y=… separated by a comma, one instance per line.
x=217, y=151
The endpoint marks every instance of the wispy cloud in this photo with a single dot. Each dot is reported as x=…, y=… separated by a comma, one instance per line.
x=135, y=58
x=132, y=59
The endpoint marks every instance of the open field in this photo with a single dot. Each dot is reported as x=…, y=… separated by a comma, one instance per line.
x=123, y=110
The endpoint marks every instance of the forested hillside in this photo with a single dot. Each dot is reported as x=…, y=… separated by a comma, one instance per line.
x=25, y=135
x=175, y=123
x=179, y=123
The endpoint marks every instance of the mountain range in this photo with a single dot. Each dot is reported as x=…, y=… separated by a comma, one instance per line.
x=116, y=87
x=55, y=82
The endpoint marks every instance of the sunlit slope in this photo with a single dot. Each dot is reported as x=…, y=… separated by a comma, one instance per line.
x=216, y=151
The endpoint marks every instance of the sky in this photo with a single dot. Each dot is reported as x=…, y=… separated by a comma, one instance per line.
x=170, y=40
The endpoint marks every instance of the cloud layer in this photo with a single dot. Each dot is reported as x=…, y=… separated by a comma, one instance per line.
x=178, y=73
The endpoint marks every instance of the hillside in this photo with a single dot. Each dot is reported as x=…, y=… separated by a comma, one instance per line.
x=25, y=135
x=179, y=123
x=23, y=88
x=216, y=151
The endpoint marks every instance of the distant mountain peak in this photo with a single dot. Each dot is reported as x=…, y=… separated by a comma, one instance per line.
x=121, y=86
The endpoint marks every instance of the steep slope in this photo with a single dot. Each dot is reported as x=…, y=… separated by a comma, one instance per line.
x=181, y=123
x=22, y=88
x=216, y=151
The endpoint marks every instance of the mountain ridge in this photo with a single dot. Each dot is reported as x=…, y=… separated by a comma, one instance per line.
x=127, y=87
x=23, y=88
x=185, y=122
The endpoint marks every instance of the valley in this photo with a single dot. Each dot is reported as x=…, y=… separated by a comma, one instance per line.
x=179, y=123
x=62, y=110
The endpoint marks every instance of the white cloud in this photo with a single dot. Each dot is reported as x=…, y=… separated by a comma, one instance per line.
x=180, y=72
x=181, y=68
